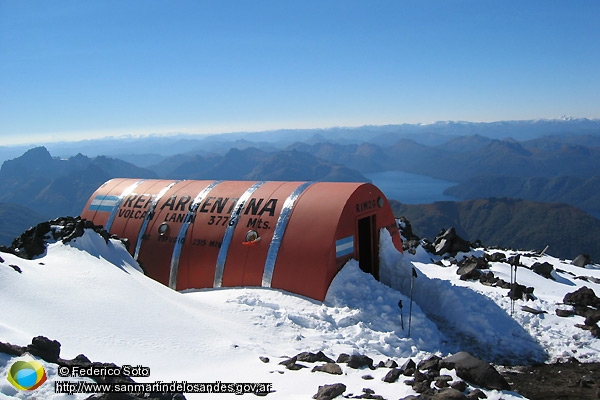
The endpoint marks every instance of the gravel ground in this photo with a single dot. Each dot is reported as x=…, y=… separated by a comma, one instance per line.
x=560, y=381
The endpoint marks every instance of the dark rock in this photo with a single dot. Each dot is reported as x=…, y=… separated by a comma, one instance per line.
x=442, y=381
x=406, y=229
x=408, y=368
x=358, y=361
x=328, y=392
x=390, y=364
x=476, y=394
x=582, y=260
x=432, y=362
x=295, y=367
x=496, y=257
x=421, y=386
x=11, y=349
x=44, y=348
x=514, y=260
x=588, y=312
x=80, y=361
x=289, y=361
x=313, y=357
x=420, y=376
x=469, y=267
x=33, y=241
x=488, y=278
x=461, y=386
x=475, y=371
x=367, y=377
x=264, y=359
x=15, y=267
x=533, y=310
x=479, y=262
x=449, y=394
x=343, y=358
x=392, y=375
x=330, y=368
x=291, y=364
x=520, y=292
x=368, y=394
x=503, y=284
x=584, y=296
x=448, y=242
x=543, y=269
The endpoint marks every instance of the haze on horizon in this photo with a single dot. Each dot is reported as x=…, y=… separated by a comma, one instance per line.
x=72, y=70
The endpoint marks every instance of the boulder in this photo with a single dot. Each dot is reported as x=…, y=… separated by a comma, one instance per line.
x=543, y=269
x=408, y=368
x=389, y=363
x=442, y=381
x=392, y=375
x=32, y=242
x=328, y=392
x=330, y=368
x=564, y=313
x=432, y=362
x=584, y=296
x=582, y=260
x=461, y=386
x=313, y=357
x=449, y=394
x=44, y=348
x=11, y=349
x=358, y=361
x=475, y=371
x=448, y=242
x=518, y=291
x=343, y=358
x=488, y=279
x=476, y=394
x=496, y=257
x=410, y=241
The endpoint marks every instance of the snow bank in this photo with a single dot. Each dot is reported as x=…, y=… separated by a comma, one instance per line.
x=92, y=297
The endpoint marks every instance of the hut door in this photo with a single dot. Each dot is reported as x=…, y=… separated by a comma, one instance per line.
x=368, y=246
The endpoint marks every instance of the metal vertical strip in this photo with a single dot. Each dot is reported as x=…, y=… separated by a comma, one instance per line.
x=174, y=268
x=113, y=213
x=278, y=232
x=149, y=216
x=233, y=220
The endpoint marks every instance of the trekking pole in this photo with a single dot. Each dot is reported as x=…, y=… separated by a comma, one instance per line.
x=512, y=287
x=401, y=317
x=513, y=302
x=412, y=284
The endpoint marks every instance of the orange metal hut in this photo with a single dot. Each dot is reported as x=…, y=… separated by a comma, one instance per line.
x=293, y=236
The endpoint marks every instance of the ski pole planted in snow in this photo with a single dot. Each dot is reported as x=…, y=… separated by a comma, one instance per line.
x=412, y=284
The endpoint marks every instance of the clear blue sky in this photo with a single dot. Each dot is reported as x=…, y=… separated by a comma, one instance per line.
x=72, y=69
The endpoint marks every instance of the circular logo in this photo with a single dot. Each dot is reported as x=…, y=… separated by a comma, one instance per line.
x=27, y=375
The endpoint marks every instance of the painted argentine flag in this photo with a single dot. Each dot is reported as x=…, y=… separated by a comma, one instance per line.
x=344, y=246
x=103, y=203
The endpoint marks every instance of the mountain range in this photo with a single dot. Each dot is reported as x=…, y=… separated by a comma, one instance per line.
x=553, y=161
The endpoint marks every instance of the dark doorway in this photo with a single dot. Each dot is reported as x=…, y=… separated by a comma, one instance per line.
x=368, y=246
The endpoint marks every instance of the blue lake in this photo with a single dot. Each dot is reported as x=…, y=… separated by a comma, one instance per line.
x=411, y=188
